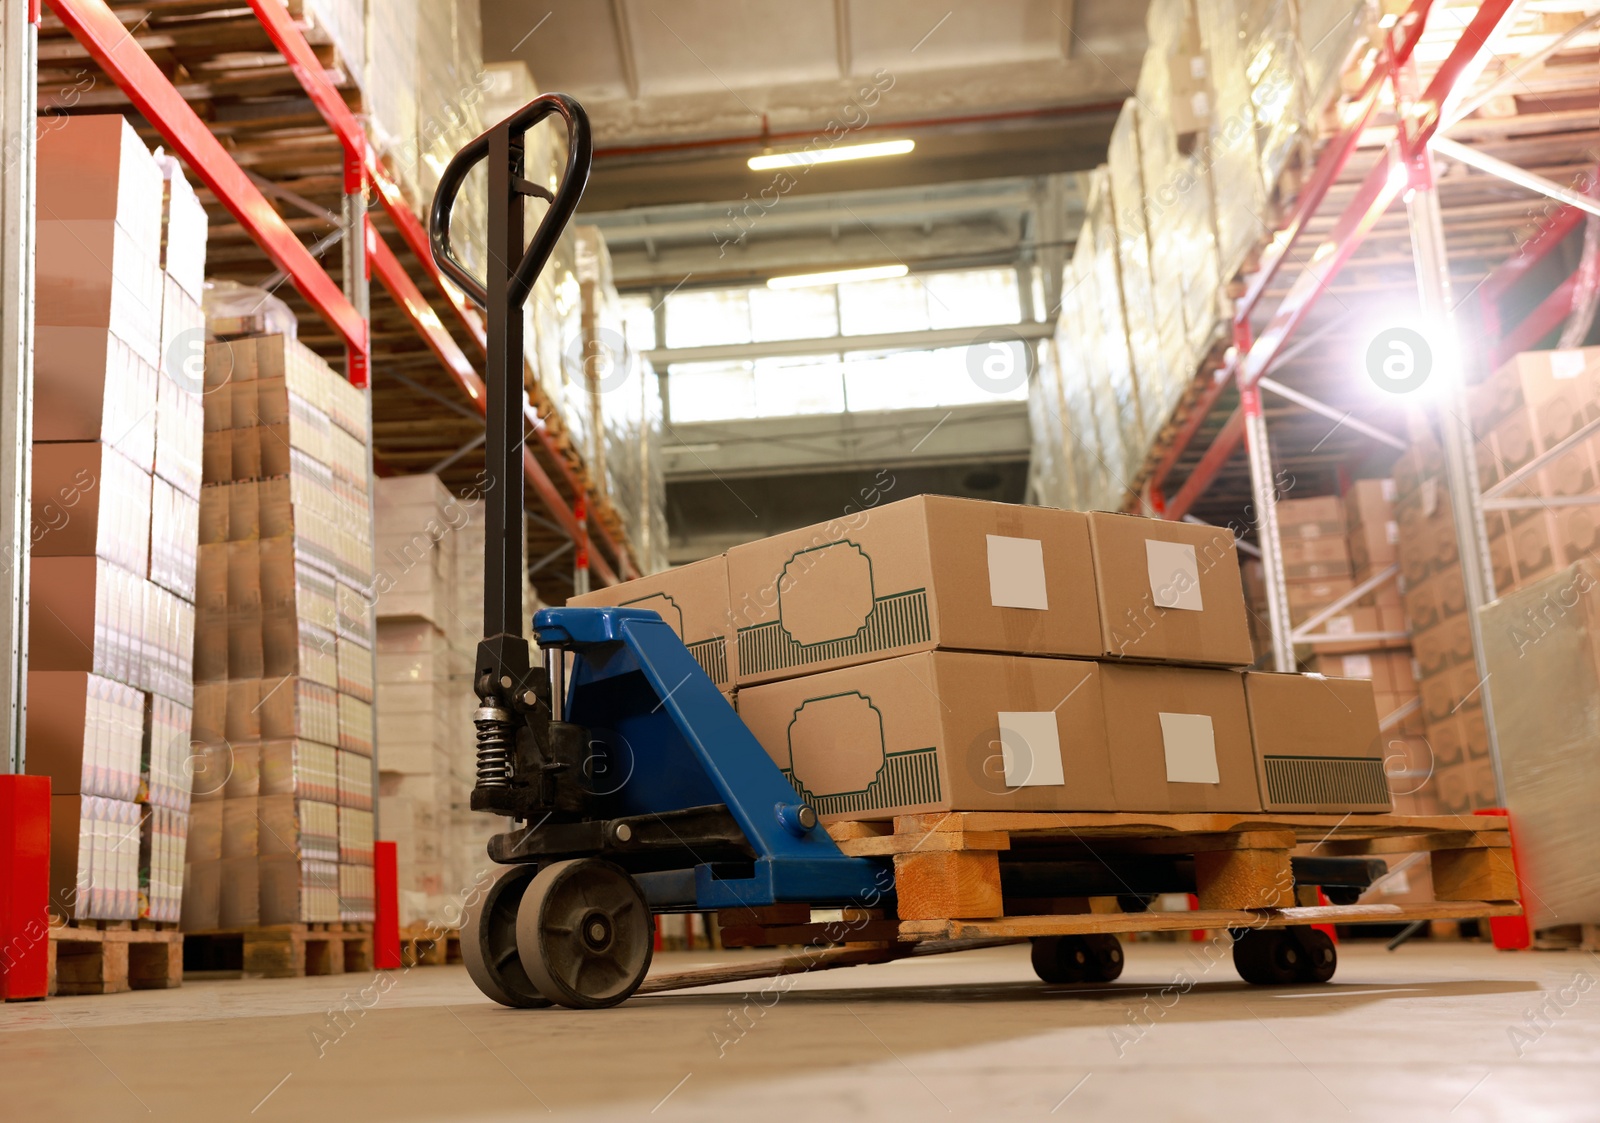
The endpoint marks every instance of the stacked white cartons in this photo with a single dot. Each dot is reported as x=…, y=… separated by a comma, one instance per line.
x=115, y=484
x=283, y=640
x=419, y=524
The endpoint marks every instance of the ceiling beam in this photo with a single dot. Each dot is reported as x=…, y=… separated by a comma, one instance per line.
x=887, y=341
x=841, y=32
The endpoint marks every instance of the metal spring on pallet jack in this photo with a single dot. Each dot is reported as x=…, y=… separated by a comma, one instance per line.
x=496, y=741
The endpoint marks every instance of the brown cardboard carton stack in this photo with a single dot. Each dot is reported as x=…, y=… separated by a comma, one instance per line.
x=1321, y=541
x=115, y=485
x=430, y=618
x=938, y=654
x=283, y=644
x=1435, y=605
x=1371, y=535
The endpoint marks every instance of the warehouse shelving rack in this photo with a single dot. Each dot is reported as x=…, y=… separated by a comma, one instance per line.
x=561, y=489
x=1405, y=167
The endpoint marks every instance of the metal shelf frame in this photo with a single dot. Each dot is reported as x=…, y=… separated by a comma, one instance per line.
x=1404, y=167
x=94, y=25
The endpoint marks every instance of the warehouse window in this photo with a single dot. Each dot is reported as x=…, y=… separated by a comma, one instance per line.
x=777, y=386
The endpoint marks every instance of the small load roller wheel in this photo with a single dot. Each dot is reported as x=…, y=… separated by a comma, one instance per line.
x=1284, y=956
x=1064, y=960
x=585, y=933
x=489, y=941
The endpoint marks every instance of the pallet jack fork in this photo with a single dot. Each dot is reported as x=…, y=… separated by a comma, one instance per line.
x=634, y=787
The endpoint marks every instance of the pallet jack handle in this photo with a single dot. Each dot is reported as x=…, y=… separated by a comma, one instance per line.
x=512, y=269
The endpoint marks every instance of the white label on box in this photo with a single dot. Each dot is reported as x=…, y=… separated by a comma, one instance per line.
x=1174, y=575
x=1387, y=488
x=1430, y=497
x=1030, y=748
x=1199, y=104
x=1566, y=364
x=1016, y=573
x=1341, y=626
x=1358, y=666
x=1391, y=531
x=1191, y=747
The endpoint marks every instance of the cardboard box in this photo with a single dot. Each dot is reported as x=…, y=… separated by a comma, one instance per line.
x=89, y=500
x=1317, y=743
x=1389, y=671
x=939, y=731
x=1560, y=390
x=95, y=166
x=1168, y=591
x=1370, y=503
x=912, y=576
x=85, y=733
x=952, y=730
x=693, y=600
x=89, y=385
x=1305, y=597
x=1443, y=646
x=1321, y=516
x=93, y=273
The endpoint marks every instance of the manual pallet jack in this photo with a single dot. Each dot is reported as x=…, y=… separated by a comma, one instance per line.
x=635, y=787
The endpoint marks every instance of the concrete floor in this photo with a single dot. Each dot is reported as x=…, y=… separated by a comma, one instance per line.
x=1435, y=1031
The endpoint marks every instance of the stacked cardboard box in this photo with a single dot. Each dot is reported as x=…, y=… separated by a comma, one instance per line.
x=282, y=646
x=430, y=613
x=939, y=654
x=116, y=476
x=1534, y=402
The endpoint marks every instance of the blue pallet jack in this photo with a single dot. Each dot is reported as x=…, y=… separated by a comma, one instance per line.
x=634, y=787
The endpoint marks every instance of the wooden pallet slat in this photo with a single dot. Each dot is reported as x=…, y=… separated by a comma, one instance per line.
x=111, y=957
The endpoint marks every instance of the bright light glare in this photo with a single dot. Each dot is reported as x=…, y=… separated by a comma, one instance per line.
x=805, y=158
x=837, y=277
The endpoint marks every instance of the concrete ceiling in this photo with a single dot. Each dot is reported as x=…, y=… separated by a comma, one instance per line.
x=682, y=92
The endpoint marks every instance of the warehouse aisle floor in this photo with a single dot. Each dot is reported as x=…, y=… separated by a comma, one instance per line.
x=1434, y=1031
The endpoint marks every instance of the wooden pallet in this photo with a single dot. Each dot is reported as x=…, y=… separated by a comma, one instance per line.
x=947, y=870
x=112, y=956
x=424, y=945
x=281, y=951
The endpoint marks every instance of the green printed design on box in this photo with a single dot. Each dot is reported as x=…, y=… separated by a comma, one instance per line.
x=712, y=655
x=906, y=779
x=895, y=621
x=1326, y=779
x=864, y=776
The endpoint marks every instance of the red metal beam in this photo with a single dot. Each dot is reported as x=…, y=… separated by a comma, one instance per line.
x=120, y=56
x=1381, y=187
x=394, y=278
x=1222, y=448
x=1551, y=312
x=1334, y=157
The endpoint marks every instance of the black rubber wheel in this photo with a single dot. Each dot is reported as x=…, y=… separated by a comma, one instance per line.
x=585, y=934
x=489, y=941
x=1319, y=959
x=1266, y=958
x=1063, y=960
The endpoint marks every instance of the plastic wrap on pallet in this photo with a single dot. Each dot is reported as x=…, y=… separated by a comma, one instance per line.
x=1116, y=362
x=1107, y=449
x=344, y=24
x=1277, y=79
x=555, y=311
x=1077, y=402
x=1126, y=180
x=1165, y=191
x=1229, y=150
x=391, y=92
x=1330, y=32
x=1050, y=460
x=1542, y=644
x=1192, y=240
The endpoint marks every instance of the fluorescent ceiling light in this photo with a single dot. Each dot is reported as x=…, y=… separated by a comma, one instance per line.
x=806, y=157
x=837, y=277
